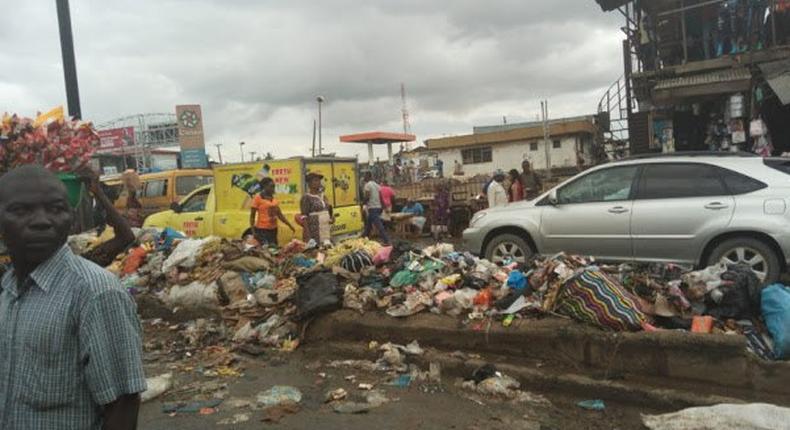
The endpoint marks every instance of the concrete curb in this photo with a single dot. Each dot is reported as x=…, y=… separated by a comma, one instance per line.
x=701, y=365
x=543, y=382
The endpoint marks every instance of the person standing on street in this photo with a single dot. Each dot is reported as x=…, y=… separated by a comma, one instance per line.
x=387, y=195
x=372, y=200
x=441, y=211
x=530, y=181
x=497, y=196
x=315, y=211
x=71, y=355
x=268, y=212
x=516, y=190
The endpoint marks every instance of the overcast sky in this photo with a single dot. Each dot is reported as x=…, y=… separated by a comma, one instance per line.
x=256, y=66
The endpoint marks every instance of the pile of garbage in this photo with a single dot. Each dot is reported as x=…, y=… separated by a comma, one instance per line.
x=265, y=295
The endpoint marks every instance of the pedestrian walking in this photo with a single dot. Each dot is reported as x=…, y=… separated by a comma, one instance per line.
x=530, y=181
x=516, y=189
x=372, y=192
x=497, y=196
x=265, y=212
x=72, y=344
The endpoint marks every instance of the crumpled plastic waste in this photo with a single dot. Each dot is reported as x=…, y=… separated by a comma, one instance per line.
x=279, y=394
x=156, y=386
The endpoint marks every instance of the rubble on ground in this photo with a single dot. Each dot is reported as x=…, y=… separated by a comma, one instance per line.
x=265, y=296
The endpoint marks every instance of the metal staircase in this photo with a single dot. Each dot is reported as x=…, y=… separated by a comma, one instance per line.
x=613, y=112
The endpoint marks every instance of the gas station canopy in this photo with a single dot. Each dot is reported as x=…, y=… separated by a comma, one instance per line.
x=378, y=138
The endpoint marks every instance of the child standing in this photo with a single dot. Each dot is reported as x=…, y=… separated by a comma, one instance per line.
x=268, y=212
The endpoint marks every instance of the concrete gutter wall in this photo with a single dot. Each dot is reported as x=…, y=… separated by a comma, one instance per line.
x=713, y=361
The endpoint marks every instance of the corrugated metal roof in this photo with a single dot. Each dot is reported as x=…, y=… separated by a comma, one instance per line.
x=608, y=5
x=778, y=76
x=717, y=77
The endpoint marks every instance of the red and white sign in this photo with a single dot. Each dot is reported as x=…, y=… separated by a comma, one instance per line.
x=115, y=140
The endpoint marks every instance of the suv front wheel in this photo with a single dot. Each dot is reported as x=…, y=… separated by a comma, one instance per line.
x=747, y=251
x=507, y=248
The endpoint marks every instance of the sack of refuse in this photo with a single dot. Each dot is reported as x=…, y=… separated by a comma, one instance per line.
x=196, y=295
x=776, y=312
x=318, y=292
x=593, y=297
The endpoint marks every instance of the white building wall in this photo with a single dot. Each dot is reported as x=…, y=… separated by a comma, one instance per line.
x=508, y=156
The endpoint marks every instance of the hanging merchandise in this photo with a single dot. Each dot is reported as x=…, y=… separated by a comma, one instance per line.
x=737, y=131
x=763, y=147
x=736, y=106
x=757, y=128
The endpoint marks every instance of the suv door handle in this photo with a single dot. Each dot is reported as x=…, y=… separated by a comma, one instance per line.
x=716, y=206
x=618, y=210
x=200, y=218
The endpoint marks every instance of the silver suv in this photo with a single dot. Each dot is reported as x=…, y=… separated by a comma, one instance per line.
x=688, y=209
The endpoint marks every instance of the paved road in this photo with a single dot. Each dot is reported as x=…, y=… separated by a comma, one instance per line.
x=421, y=406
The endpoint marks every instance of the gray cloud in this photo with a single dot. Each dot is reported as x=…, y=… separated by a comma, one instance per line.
x=256, y=66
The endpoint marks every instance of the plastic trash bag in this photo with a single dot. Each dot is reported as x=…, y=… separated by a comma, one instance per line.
x=156, y=386
x=195, y=295
x=776, y=312
x=754, y=416
x=186, y=253
x=278, y=395
x=517, y=281
x=318, y=292
x=404, y=278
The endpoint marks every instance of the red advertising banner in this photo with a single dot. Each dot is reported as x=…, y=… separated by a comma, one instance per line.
x=116, y=139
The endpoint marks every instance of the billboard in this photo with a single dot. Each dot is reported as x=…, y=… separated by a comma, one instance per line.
x=190, y=136
x=115, y=140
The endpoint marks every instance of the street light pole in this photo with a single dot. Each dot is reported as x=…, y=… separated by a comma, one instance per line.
x=320, y=100
x=252, y=155
x=69, y=63
x=219, y=151
x=241, y=149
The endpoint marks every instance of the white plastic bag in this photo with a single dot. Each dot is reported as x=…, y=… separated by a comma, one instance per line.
x=194, y=295
x=185, y=254
x=157, y=386
x=754, y=416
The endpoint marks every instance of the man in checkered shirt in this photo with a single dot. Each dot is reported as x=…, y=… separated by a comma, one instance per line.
x=70, y=340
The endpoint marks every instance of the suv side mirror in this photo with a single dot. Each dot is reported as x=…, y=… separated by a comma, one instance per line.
x=175, y=207
x=553, y=200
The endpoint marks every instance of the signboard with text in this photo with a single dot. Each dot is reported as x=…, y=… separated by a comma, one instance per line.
x=190, y=136
x=116, y=140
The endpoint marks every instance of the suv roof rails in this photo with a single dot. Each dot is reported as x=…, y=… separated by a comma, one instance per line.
x=742, y=154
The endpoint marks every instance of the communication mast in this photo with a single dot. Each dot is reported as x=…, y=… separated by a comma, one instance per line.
x=405, y=112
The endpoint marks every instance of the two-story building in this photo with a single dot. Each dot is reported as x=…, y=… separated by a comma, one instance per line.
x=706, y=74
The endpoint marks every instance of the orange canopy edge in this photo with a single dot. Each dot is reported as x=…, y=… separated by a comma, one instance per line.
x=378, y=137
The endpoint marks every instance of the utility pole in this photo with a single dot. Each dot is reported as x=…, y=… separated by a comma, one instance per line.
x=69, y=62
x=241, y=149
x=544, y=110
x=252, y=155
x=320, y=100
x=314, y=138
x=219, y=151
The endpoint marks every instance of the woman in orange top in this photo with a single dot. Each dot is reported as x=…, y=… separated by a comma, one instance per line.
x=268, y=212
